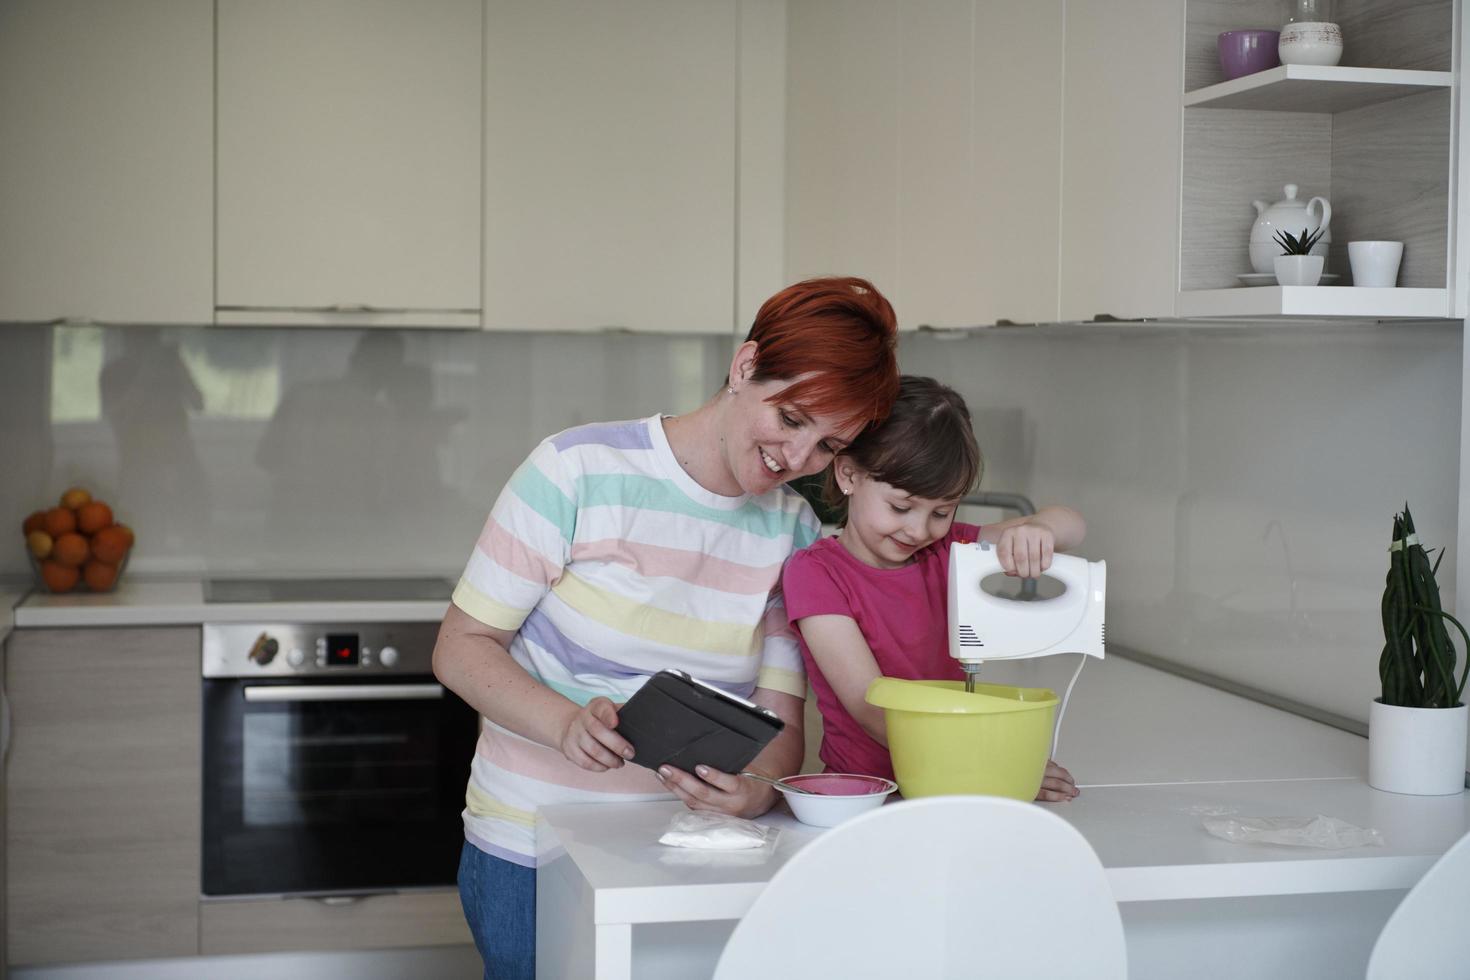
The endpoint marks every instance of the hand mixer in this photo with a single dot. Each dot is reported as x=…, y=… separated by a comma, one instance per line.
x=984, y=627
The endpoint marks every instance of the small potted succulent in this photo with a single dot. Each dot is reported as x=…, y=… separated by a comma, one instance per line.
x=1296, y=265
x=1416, y=730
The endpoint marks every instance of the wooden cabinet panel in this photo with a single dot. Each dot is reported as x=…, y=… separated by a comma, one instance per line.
x=610, y=174
x=103, y=794
x=925, y=154
x=1120, y=159
x=106, y=160
x=349, y=160
x=842, y=126
x=428, y=918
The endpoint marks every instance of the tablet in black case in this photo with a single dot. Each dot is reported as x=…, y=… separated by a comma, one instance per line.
x=678, y=721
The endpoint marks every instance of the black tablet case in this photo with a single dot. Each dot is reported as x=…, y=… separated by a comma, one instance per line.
x=673, y=721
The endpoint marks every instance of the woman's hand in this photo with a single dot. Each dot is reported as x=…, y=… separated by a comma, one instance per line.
x=1025, y=550
x=721, y=792
x=1057, y=785
x=589, y=740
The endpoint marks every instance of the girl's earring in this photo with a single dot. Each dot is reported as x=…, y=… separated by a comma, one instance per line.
x=847, y=491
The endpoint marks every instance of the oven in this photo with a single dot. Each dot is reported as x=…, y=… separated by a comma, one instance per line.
x=334, y=762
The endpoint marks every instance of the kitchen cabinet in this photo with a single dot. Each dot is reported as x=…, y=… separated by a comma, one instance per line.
x=419, y=918
x=611, y=162
x=106, y=171
x=1372, y=134
x=349, y=162
x=1120, y=175
x=916, y=159
x=103, y=794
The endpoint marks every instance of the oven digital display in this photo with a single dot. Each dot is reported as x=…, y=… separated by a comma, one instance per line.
x=342, y=650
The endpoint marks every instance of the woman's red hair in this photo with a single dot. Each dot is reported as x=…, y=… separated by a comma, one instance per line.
x=843, y=333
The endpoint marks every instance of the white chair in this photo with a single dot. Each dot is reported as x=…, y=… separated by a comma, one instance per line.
x=945, y=887
x=1426, y=937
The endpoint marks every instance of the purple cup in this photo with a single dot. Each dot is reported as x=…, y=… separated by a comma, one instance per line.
x=1247, y=52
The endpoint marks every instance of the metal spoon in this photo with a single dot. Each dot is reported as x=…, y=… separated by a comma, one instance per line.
x=777, y=783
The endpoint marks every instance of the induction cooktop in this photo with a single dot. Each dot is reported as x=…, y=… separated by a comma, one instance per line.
x=227, y=590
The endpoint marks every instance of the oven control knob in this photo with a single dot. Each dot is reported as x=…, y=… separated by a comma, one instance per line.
x=388, y=656
x=296, y=657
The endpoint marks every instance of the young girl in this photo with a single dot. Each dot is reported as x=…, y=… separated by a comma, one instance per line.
x=871, y=601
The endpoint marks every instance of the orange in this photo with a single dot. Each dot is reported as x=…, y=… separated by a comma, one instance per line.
x=36, y=522
x=59, y=521
x=111, y=543
x=58, y=577
x=127, y=534
x=93, y=516
x=70, y=549
x=74, y=498
x=99, y=576
x=40, y=544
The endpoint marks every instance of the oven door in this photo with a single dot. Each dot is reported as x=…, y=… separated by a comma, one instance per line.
x=340, y=786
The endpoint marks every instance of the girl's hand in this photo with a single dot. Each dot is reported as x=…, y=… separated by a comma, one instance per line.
x=589, y=740
x=721, y=792
x=1025, y=550
x=1057, y=785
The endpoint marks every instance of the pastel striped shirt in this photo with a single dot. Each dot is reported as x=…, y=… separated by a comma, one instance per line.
x=611, y=564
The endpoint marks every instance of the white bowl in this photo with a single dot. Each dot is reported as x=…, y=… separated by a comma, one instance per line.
x=841, y=795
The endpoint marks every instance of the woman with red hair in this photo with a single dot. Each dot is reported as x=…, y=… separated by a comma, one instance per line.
x=619, y=549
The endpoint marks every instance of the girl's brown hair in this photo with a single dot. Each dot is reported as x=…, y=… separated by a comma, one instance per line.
x=925, y=447
x=843, y=333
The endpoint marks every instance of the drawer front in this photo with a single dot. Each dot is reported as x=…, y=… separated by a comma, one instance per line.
x=428, y=918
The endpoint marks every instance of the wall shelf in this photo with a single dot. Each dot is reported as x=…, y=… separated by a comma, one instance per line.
x=1315, y=301
x=1316, y=88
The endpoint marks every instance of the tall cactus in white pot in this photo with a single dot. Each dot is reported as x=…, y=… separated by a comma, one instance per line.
x=1417, y=728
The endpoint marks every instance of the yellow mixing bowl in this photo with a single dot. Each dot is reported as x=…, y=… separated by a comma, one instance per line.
x=945, y=741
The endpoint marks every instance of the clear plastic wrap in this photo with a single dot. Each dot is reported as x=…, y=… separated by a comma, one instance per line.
x=716, y=832
x=1328, y=833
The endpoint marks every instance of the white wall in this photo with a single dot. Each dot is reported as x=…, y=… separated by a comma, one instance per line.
x=1240, y=482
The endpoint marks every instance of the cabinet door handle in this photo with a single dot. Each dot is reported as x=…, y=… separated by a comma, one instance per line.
x=342, y=308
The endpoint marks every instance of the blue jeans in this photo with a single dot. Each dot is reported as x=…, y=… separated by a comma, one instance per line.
x=499, y=900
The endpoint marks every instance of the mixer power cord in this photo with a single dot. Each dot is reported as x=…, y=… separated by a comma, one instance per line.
x=1056, y=732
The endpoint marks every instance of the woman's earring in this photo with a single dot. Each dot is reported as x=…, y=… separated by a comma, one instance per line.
x=730, y=389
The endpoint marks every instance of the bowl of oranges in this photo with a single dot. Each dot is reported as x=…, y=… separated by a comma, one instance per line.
x=77, y=545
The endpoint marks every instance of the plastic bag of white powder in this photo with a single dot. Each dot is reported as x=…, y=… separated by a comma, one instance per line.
x=1319, y=831
x=716, y=832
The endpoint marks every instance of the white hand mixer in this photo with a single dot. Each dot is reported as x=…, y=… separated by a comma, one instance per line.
x=983, y=626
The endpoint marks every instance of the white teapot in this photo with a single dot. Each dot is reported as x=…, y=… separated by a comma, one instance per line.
x=1289, y=215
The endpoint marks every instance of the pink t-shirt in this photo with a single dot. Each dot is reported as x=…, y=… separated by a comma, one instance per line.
x=900, y=611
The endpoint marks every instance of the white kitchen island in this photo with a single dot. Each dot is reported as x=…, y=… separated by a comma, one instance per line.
x=614, y=903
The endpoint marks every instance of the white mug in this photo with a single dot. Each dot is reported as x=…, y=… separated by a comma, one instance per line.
x=1375, y=264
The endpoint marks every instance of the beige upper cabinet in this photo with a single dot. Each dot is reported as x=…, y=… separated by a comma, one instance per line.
x=842, y=153
x=106, y=154
x=924, y=147
x=349, y=162
x=610, y=165
x=1120, y=159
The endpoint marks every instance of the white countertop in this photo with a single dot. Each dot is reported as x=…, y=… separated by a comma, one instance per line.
x=1154, y=754
x=1151, y=840
x=177, y=603
x=1127, y=724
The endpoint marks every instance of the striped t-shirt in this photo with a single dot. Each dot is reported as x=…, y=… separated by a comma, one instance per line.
x=611, y=564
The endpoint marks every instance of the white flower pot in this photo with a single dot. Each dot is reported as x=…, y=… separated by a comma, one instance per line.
x=1298, y=270
x=1420, y=751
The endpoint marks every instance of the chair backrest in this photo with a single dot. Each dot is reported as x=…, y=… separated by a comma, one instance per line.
x=956, y=886
x=1426, y=937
